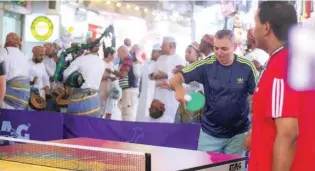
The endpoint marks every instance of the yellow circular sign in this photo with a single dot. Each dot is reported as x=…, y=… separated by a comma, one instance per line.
x=70, y=29
x=42, y=28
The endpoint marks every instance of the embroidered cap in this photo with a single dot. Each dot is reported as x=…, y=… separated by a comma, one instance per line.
x=13, y=40
x=195, y=45
x=169, y=39
x=156, y=47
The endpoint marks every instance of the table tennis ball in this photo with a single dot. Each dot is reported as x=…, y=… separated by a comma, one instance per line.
x=187, y=97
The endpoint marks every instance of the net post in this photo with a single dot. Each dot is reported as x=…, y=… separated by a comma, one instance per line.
x=147, y=162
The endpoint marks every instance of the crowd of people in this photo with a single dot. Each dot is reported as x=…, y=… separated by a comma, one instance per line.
x=249, y=104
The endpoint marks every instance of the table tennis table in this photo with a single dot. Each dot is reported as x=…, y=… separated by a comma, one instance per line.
x=159, y=158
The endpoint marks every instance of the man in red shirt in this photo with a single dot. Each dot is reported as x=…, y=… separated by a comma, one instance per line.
x=283, y=126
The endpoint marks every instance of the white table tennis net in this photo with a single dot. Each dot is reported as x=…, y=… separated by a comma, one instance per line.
x=71, y=157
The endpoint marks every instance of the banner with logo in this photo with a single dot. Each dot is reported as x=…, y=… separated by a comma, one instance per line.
x=41, y=28
x=31, y=125
x=94, y=30
x=45, y=126
x=160, y=134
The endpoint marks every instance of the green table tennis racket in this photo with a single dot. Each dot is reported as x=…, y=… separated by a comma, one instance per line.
x=194, y=101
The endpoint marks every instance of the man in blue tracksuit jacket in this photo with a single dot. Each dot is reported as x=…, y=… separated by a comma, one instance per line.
x=228, y=81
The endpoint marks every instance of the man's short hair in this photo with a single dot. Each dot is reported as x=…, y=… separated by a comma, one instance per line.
x=225, y=33
x=170, y=40
x=127, y=42
x=280, y=15
x=122, y=47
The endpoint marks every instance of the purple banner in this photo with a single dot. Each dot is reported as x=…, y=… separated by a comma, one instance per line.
x=160, y=134
x=43, y=126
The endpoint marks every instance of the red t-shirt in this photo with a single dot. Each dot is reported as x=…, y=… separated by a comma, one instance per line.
x=275, y=99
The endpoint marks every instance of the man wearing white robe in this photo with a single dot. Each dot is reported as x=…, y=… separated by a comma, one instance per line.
x=147, y=86
x=163, y=72
x=85, y=100
x=50, y=58
x=50, y=66
x=16, y=67
x=37, y=72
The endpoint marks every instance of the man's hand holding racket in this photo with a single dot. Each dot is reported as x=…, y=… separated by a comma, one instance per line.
x=178, y=68
x=180, y=96
x=176, y=83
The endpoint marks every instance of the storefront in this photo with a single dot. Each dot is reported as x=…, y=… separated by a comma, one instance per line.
x=127, y=27
x=74, y=20
x=128, y=21
x=233, y=15
x=305, y=9
x=83, y=24
x=11, y=17
x=12, y=22
x=237, y=16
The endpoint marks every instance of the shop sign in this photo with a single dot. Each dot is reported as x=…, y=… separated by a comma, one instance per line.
x=95, y=30
x=42, y=28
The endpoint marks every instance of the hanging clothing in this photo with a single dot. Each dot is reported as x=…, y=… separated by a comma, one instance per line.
x=85, y=100
x=38, y=70
x=166, y=64
x=147, y=88
x=18, y=86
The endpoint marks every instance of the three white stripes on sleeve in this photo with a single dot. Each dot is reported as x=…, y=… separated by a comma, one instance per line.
x=277, y=97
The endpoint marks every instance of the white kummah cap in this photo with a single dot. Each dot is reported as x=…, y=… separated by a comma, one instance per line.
x=156, y=47
x=169, y=39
